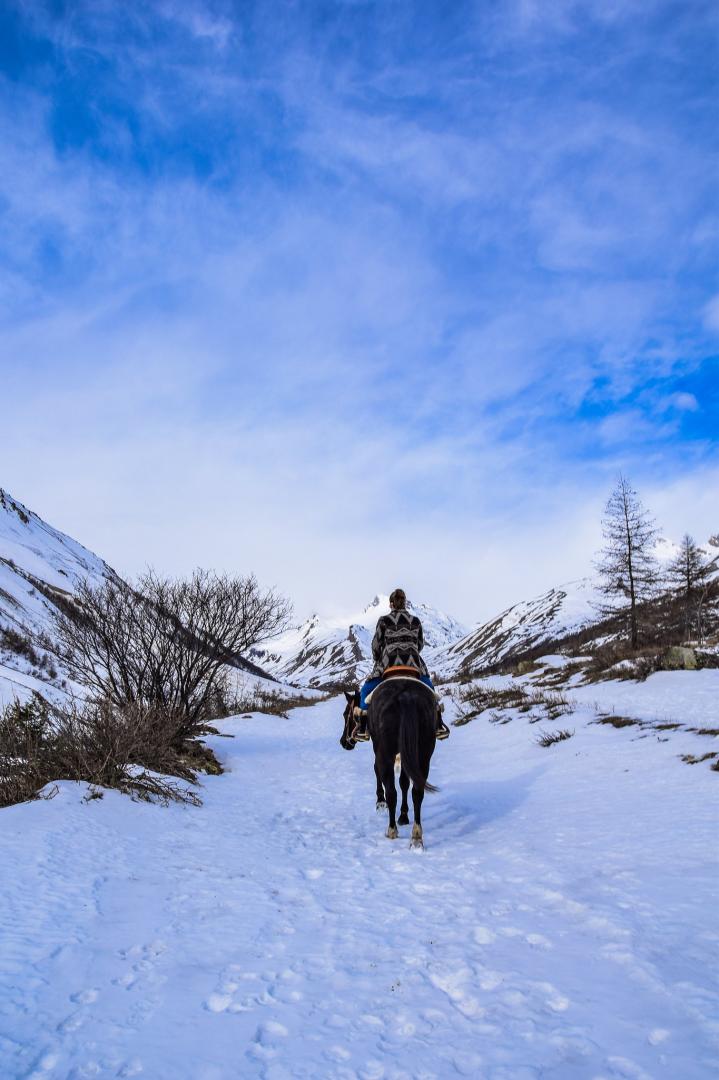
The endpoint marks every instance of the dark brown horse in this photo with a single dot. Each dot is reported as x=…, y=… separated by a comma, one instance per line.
x=401, y=720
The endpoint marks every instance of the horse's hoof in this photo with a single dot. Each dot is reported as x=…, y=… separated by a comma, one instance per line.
x=417, y=844
x=392, y=832
x=403, y=819
x=381, y=807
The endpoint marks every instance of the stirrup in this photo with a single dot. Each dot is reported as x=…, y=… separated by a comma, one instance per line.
x=360, y=730
x=442, y=731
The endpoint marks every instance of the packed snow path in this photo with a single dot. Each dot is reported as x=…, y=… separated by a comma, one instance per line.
x=560, y=924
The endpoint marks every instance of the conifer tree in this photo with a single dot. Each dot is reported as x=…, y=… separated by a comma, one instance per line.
x=626, y=564
x=688, y=575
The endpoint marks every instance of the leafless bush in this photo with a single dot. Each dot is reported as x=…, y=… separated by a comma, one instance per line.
x=130, y=748
x=636, y=664
x=165, y=642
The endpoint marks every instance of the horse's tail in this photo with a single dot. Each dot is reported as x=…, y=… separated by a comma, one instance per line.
x=409, y=736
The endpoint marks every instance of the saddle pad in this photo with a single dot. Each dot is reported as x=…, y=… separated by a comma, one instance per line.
x=402, y=678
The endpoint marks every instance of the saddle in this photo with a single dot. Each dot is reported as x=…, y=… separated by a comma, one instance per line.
x=401, y=671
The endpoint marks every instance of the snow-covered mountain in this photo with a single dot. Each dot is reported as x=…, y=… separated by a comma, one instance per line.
x=556, y=613
x=327, y=651
x=39, y=567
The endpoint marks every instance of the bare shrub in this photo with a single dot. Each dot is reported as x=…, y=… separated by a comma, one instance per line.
x=126, y=748
x=636, y=664
x=165, y=642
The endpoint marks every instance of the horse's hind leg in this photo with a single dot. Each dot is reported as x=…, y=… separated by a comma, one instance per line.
x=403, y=818
x=391, y=794
x=417, y=797
x=381, y=801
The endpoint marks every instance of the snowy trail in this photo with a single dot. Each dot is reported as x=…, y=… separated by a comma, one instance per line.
x=561, y=923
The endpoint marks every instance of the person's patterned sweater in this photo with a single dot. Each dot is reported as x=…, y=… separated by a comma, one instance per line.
x=398, y=641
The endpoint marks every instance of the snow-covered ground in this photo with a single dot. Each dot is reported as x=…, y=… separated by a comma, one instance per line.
x=560, y=924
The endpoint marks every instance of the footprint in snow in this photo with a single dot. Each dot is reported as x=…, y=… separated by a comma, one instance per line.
x=45, y=1065
x=131, y=1068
x=337, y=1053
x=538, y=941
x=218, y=1003
x=270, y=1030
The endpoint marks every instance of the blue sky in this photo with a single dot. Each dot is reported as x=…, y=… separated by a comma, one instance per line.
x=359, y=294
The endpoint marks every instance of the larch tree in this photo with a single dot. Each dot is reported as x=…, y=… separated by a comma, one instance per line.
x=626, y=564
x=688, y=575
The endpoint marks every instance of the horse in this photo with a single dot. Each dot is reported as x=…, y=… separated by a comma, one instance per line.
x=401, y=720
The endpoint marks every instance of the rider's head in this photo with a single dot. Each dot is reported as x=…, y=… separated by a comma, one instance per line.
x=398, y=600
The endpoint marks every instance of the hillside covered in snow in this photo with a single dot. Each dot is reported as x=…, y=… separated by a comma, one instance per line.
x=39, y=568
x=523, y=626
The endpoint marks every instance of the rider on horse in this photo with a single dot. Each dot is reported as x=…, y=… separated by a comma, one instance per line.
x=396, y=647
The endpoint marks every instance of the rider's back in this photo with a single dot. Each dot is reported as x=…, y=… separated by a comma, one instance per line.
x=398, y=642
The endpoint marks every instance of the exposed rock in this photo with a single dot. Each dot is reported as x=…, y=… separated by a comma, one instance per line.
x=679, y=658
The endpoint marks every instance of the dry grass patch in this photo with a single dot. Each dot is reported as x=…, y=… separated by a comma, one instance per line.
x=619, y=721
x=275, y=702
x=549, y=738
x=538, y=703
x=696, y=759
